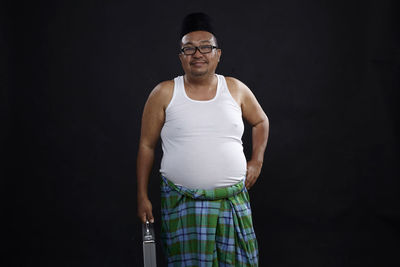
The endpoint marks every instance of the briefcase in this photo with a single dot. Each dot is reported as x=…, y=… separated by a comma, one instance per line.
x=149, y=245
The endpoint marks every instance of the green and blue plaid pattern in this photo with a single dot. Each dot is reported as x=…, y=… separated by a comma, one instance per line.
x=207, y=227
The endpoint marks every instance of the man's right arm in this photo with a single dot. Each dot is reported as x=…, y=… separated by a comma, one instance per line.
x=152, y=121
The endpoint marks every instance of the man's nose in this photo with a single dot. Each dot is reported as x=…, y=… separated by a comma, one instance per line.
x=197, y=53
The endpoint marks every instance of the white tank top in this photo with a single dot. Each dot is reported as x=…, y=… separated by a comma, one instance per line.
x=202, y=140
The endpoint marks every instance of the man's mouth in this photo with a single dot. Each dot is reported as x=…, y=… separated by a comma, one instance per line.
x=198, y=63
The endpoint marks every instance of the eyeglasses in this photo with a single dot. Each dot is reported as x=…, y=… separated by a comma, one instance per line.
x=191, y=50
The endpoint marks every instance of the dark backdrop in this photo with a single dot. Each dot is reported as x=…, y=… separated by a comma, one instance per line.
x=76, y=75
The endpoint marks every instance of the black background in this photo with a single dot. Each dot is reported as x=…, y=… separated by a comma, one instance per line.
x=76, y=75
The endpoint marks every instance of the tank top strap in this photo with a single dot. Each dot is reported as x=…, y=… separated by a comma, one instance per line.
x=221, y=81
x=225, y=93
x=177, y=95
x=224, y=84
x=179, y=86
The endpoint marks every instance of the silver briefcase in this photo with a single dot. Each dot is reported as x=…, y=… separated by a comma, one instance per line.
x=149, y=245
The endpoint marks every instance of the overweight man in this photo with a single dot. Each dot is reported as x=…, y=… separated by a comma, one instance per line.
x=205, y=207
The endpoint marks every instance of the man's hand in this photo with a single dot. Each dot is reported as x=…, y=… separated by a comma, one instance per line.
x=253, y=171
x=145, y=210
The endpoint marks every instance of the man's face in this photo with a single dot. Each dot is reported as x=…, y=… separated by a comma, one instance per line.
x=199, y=64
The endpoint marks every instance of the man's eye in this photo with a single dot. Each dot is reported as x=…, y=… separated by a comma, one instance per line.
x=188, y=48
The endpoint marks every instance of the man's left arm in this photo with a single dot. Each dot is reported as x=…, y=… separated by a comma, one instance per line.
x=255, y=115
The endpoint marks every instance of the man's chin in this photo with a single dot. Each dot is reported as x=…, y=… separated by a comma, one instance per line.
x=199, y=73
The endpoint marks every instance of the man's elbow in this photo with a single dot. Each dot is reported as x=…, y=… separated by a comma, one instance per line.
x=266, y=122
x=262, y=123
x=146, y=146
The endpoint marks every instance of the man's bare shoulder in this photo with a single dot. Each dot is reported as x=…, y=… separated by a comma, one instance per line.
x=162, y=93
x=238, y=89
x=163, y=88
x=235, y=84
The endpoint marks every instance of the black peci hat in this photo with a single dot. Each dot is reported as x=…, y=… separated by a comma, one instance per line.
x=196, y=22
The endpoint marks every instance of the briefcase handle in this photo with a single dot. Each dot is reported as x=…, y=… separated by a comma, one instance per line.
x=148, y=232
x=149, y=245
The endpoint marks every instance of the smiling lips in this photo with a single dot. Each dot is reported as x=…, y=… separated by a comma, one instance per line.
x=198, y=63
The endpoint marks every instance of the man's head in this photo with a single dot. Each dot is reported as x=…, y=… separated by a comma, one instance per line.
x=199, y=48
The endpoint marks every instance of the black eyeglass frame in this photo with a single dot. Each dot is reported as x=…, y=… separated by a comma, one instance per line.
x=198, y=48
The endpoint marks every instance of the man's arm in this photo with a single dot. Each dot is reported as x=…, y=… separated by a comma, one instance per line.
x=256, y=117
x=152, y=121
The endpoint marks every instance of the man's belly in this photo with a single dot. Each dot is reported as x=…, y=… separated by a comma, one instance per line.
x=205, y=167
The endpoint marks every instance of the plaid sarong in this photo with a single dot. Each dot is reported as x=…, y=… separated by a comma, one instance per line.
x=207, y=227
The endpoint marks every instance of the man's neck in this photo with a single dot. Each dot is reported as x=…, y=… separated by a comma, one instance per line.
x=200, y=81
